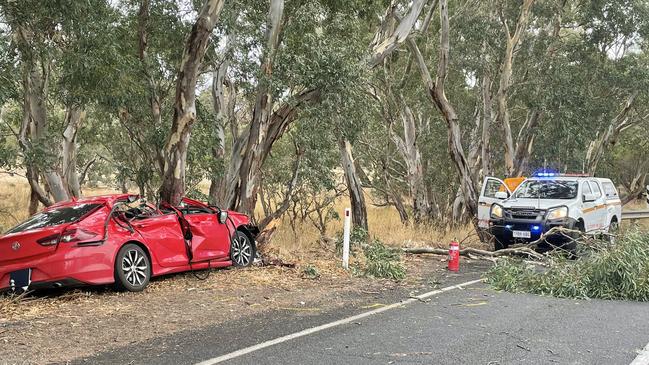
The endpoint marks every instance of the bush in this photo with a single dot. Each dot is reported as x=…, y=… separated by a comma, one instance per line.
x=310, y=272
x=614, y=272
x=357, y=238
x=383, y=262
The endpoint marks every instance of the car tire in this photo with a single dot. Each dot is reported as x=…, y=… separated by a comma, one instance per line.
x=242, y=250
x=132, y=268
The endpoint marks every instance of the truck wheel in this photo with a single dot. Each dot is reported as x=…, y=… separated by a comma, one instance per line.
x=571, y=246
x=499, y=244
x=613, y=231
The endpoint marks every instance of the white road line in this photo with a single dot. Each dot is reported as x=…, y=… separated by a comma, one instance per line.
x=351, y=319
x=643, y=357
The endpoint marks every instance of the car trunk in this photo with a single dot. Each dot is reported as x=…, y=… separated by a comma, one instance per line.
x=26, y=244
x=39, y=235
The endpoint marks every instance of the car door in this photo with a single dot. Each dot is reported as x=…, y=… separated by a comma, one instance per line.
x=600, y=216
x=588, y=208
x=164, y=237
x=210, y=239
x=490, y=187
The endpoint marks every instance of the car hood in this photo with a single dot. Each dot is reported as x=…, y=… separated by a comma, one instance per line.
x=534, y=203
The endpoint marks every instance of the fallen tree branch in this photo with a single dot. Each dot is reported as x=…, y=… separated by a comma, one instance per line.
x=523, y=251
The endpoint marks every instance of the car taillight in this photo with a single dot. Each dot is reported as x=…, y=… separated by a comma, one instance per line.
x=49, y=240
x=79, y=235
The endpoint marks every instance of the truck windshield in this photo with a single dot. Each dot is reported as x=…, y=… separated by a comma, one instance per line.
x=546, y=189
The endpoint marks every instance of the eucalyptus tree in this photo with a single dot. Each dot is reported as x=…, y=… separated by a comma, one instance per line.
x=58, y=47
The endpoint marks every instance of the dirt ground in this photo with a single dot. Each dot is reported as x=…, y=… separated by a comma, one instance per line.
x=66, y=324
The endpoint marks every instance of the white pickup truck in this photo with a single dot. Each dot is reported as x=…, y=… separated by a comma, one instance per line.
x=547, y=200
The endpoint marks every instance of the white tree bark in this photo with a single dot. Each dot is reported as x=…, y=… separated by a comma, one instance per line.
x=603, y=140
x=512, y=42
x=354, y=187
x=385, y=46
x=73, y=119
x=175, y=150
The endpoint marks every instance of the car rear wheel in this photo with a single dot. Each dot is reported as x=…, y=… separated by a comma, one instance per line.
x=132, y=268
x=242, y=250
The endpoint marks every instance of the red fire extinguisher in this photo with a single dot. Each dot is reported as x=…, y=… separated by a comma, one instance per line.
x=454, y=256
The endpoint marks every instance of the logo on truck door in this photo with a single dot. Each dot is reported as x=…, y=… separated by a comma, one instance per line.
x=15, y=246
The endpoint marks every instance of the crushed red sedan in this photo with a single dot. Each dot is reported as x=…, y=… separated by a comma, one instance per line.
x=121, y=239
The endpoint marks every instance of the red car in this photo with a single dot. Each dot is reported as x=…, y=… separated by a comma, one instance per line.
x=121, y=239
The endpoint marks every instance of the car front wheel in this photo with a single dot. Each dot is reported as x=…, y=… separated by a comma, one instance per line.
x=132, y=268
x=242, y=250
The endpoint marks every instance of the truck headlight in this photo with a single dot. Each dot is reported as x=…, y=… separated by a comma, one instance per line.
x=496, y=211
x=557, y=213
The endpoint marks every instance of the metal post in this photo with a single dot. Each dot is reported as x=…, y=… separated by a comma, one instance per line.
x=346, y=233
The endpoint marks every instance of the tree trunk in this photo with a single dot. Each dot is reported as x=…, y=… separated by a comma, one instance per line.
x=487, y=117
x=254, y=154
x=261, y=136
x=73, y=120
x=436, y=93
x=35, y=123
x=356, y=197
x=597, y=147
x=512, y=42
x=175, y=149
x=383, y=47
x=525, y=142
x=410, y=153
x=223, y=111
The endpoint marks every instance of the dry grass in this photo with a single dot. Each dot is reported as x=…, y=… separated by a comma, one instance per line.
x=14, y=199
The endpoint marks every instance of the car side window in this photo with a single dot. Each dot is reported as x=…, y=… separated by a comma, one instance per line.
x=585, y=189
x=193, y=209
x=596, y=190
x=609, y=190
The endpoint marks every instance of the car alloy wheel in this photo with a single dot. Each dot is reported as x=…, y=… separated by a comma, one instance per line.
x=135, y=267
x=242, y=250
x=132, y=268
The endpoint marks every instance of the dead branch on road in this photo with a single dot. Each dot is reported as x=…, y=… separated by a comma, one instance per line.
x=514, y=251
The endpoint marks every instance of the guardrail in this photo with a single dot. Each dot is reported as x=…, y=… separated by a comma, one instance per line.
x=638, y=214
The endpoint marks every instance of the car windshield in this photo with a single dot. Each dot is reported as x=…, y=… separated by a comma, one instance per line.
x=546, y=189
x=54, y=217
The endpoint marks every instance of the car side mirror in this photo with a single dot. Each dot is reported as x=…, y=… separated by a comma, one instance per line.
x=588, y=198
x=502, y=195
x=223, y=216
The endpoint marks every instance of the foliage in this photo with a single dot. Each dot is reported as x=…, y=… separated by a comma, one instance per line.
x=357, y=238
x=615, y=272
x=383, y=262
x=579, y=79
x=310, y=272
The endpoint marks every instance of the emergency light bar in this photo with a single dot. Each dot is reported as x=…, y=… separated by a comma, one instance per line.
x=545, y=173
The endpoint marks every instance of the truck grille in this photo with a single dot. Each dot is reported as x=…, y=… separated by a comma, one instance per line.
x=524, y=213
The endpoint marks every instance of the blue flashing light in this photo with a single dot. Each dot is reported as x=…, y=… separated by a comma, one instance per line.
x=545, y=173
x=536, y=228
x=508, y=226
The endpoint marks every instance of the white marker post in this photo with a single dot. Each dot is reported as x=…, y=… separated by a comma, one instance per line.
x=346, y=232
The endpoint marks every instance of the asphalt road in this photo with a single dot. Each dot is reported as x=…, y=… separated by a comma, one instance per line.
x=475, y=325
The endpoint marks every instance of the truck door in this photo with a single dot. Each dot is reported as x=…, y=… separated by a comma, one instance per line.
x=588, y=207
x=490, y=187
x=601, y=214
